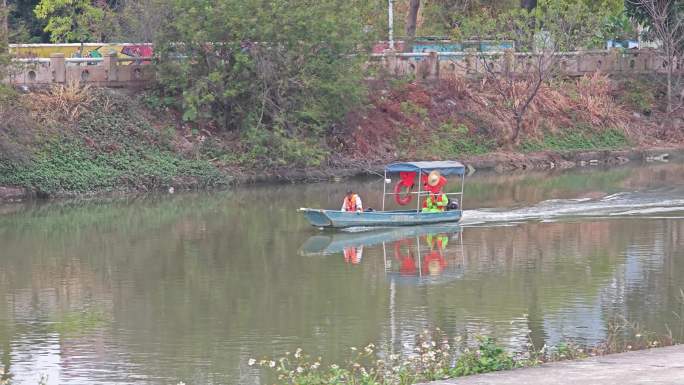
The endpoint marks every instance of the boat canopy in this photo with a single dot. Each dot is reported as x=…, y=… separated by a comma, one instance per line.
x=447, y=167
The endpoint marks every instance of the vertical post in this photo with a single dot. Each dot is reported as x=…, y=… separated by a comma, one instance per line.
x=390, y=21
x=420, y=174
x=433, y=65
x=384, y=188
x=460, y=205
x=111, y=66
x=58, y=67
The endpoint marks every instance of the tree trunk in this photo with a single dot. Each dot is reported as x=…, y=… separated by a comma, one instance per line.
x=411, y=21
x=5, y=21
x=528, y=4
x=670, y=69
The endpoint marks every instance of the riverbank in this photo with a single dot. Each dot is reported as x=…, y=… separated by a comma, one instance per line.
x=658, y=366
x=496, y=162
x=76, y=141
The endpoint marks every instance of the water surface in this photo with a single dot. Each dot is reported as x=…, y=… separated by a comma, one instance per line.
x=154, y=290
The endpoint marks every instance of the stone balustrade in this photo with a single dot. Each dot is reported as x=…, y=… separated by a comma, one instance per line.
x=434, y=65
x=108, y=71
x=111, y=71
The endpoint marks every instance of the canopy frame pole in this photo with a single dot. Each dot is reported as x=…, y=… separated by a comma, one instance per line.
x=384, y=190
x=420, y=175
x=460, y=205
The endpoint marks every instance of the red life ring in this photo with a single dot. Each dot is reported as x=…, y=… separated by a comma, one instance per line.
x=405, y=181
x=402, y=200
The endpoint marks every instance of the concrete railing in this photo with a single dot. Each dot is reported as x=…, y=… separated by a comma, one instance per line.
x=107, y=71
x=458, y=64
x=111, y=71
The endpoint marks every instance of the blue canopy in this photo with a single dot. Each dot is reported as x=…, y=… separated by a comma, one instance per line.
x=447, y=167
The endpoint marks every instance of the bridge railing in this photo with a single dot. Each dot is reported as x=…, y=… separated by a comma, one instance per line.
x=106, y=71
x=112, y=71
x=425, y=65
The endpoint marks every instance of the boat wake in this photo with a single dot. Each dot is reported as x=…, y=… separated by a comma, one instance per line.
x=644, y=204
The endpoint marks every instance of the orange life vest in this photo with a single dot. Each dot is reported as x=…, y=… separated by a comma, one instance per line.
x=350, y=204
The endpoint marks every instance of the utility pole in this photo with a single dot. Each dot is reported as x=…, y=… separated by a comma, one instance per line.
x=390, y=21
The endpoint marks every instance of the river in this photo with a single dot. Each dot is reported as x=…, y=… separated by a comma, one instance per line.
x=162, y=289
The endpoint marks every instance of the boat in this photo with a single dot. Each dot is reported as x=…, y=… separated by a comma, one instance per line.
x=411, y=174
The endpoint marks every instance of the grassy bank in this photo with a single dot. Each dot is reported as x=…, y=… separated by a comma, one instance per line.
x=74, y=140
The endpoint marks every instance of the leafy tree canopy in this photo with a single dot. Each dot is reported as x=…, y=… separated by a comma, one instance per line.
x=269, y=69
x=71, y=20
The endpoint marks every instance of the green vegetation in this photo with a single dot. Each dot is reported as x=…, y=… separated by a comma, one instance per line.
x=433, y=360
x=438, y=357
x=276, y=77
x=112, y=149
x=71, y=20
x=578, y=138
x=449, y=141
x=639, y=94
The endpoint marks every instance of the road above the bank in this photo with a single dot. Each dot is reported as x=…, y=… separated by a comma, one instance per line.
x=655, y=366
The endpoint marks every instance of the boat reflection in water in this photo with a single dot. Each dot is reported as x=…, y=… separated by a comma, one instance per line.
x=412, y=255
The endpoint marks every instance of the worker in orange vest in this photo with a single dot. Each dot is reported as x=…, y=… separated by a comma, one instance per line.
x=352, y=202
x=436, y=201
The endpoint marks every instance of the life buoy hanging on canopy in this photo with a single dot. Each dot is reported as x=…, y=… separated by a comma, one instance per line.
x=406, y=182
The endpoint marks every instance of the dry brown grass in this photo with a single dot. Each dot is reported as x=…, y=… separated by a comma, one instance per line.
x=63, y=103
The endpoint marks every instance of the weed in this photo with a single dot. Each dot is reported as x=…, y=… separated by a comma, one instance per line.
x=410, y=108
x=578, y=138
x=639, y=95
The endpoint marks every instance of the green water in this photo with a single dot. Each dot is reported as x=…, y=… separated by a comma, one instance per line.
x=155, y=290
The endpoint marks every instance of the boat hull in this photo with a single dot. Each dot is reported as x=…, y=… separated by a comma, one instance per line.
x=343, y=219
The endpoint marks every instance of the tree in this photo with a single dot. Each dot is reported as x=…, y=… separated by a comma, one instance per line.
x=73, y=20
x=551, y=27
x=666, y=21
x=4, y=39
x=142, y=20
x=412, y=19
x=274, y=71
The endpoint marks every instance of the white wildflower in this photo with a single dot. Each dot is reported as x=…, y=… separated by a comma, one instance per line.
x=334, y=367
x=300, y=369
x=271, y=364
x=251, y=362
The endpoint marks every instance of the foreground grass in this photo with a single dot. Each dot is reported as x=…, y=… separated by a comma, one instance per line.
x=438, y=357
